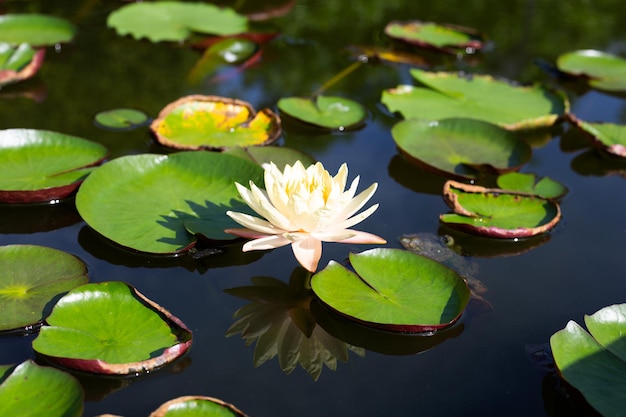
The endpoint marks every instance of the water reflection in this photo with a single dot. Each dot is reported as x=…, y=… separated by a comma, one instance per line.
x=35, y=218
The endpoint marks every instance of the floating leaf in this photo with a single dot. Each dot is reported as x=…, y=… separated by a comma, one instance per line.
x=175, y=21
x=32, y=278
x=527, y=183
x=121, y=119
x=609, y=137
x=498, y=213
x=446, y=38
x=35, y=29
x=33, y=390
x=111, y=328
x=197, y=406
x=595, y=363
x=18, y=63
x=480, y=97
x=602, y=70
x=324, y=111
x=212, y=122
x=394, y=290
x=460, y=146
x=40, y=166
x=232, y=51
x=157, y=203
x=279, y=155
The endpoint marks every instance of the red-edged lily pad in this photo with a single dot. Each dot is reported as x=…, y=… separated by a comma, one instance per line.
x=111, y=328
x=18, y=63
x=498, y=213
x=212, y=122
x=442, y=37
x=32, y=390
x=609, y=137
x=197, y=406
x=41, y=166
x=32, y=278
x=393, y=289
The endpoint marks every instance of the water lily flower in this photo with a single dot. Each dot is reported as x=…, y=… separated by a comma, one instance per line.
x=303, y=207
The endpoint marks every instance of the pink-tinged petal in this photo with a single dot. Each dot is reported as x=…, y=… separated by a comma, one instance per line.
x=348, y=236
x=247, y=233
x=364, y=237
x=356, y=219
x=254, y=223
x=265, y=243
x=308, y=252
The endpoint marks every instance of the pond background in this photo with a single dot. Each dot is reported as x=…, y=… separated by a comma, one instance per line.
x=485, y=369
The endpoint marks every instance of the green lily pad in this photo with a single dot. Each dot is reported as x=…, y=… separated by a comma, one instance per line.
x=33, y=390
x=279, y=155
x=197, y=406
x=157, y=203
x=498, y=213
x=19, y=62
x=40, y=166
x=32, y=278
x=393, y=289
x=446, y=95
x=215, y=123
x=35, y=29
x=121, y=119
x=602, y=70
x=324, y=111
x=595, y=363
x=609, y=137
x=111, y=328
x=460, y=146
x=546, y=187
x=446, y=38
x=175, y=21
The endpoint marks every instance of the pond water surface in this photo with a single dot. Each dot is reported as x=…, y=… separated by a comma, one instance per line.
x=480, y=367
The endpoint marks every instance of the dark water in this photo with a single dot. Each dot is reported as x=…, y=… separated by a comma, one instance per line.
x=483, y=368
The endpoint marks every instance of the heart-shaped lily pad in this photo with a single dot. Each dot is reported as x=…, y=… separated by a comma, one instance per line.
x=609, y=137
x=32, y=278
x=111, y=328
x=603, y=70
x=40, y=166
x=197, y=406
x=498, y=213
x=279, y=155
x=157, y=203
x=121, y=119
x=212, y=122
x=32, y=390
x=460, y=146
x=175, y=21
x=446, y=38
x=595, y=363
x=19, y=62
x=482, y=97
x=324, y=111
x=393, y=289
x=35, y=29
x=546, y=187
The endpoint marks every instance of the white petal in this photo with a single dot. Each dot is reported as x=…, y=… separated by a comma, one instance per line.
x=308, y=252
x=254, y=223
x=265, y=243
x=357, y=203
x=356, y=219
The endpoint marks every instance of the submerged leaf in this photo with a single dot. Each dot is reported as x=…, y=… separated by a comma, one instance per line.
x=121, y=119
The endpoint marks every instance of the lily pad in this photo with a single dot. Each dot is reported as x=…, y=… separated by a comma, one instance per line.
x=35, y=29
x=175, y=21
x=498, y=213
x=197, y=406
x=602, y=70
x=446, y=38
x=231, y=51
x=460, y=146
x=546, y=187
x=157, y=203
x=212, y=122
x=40, y=165
x=18, y=63
x=394, y=290
x=446, y=95
x=595, y=363
x=33, y=390
x=121, y=119
x=111, y=328
x=324, y=111
x=609, y=137
x=33, y=277
x=279, y=155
